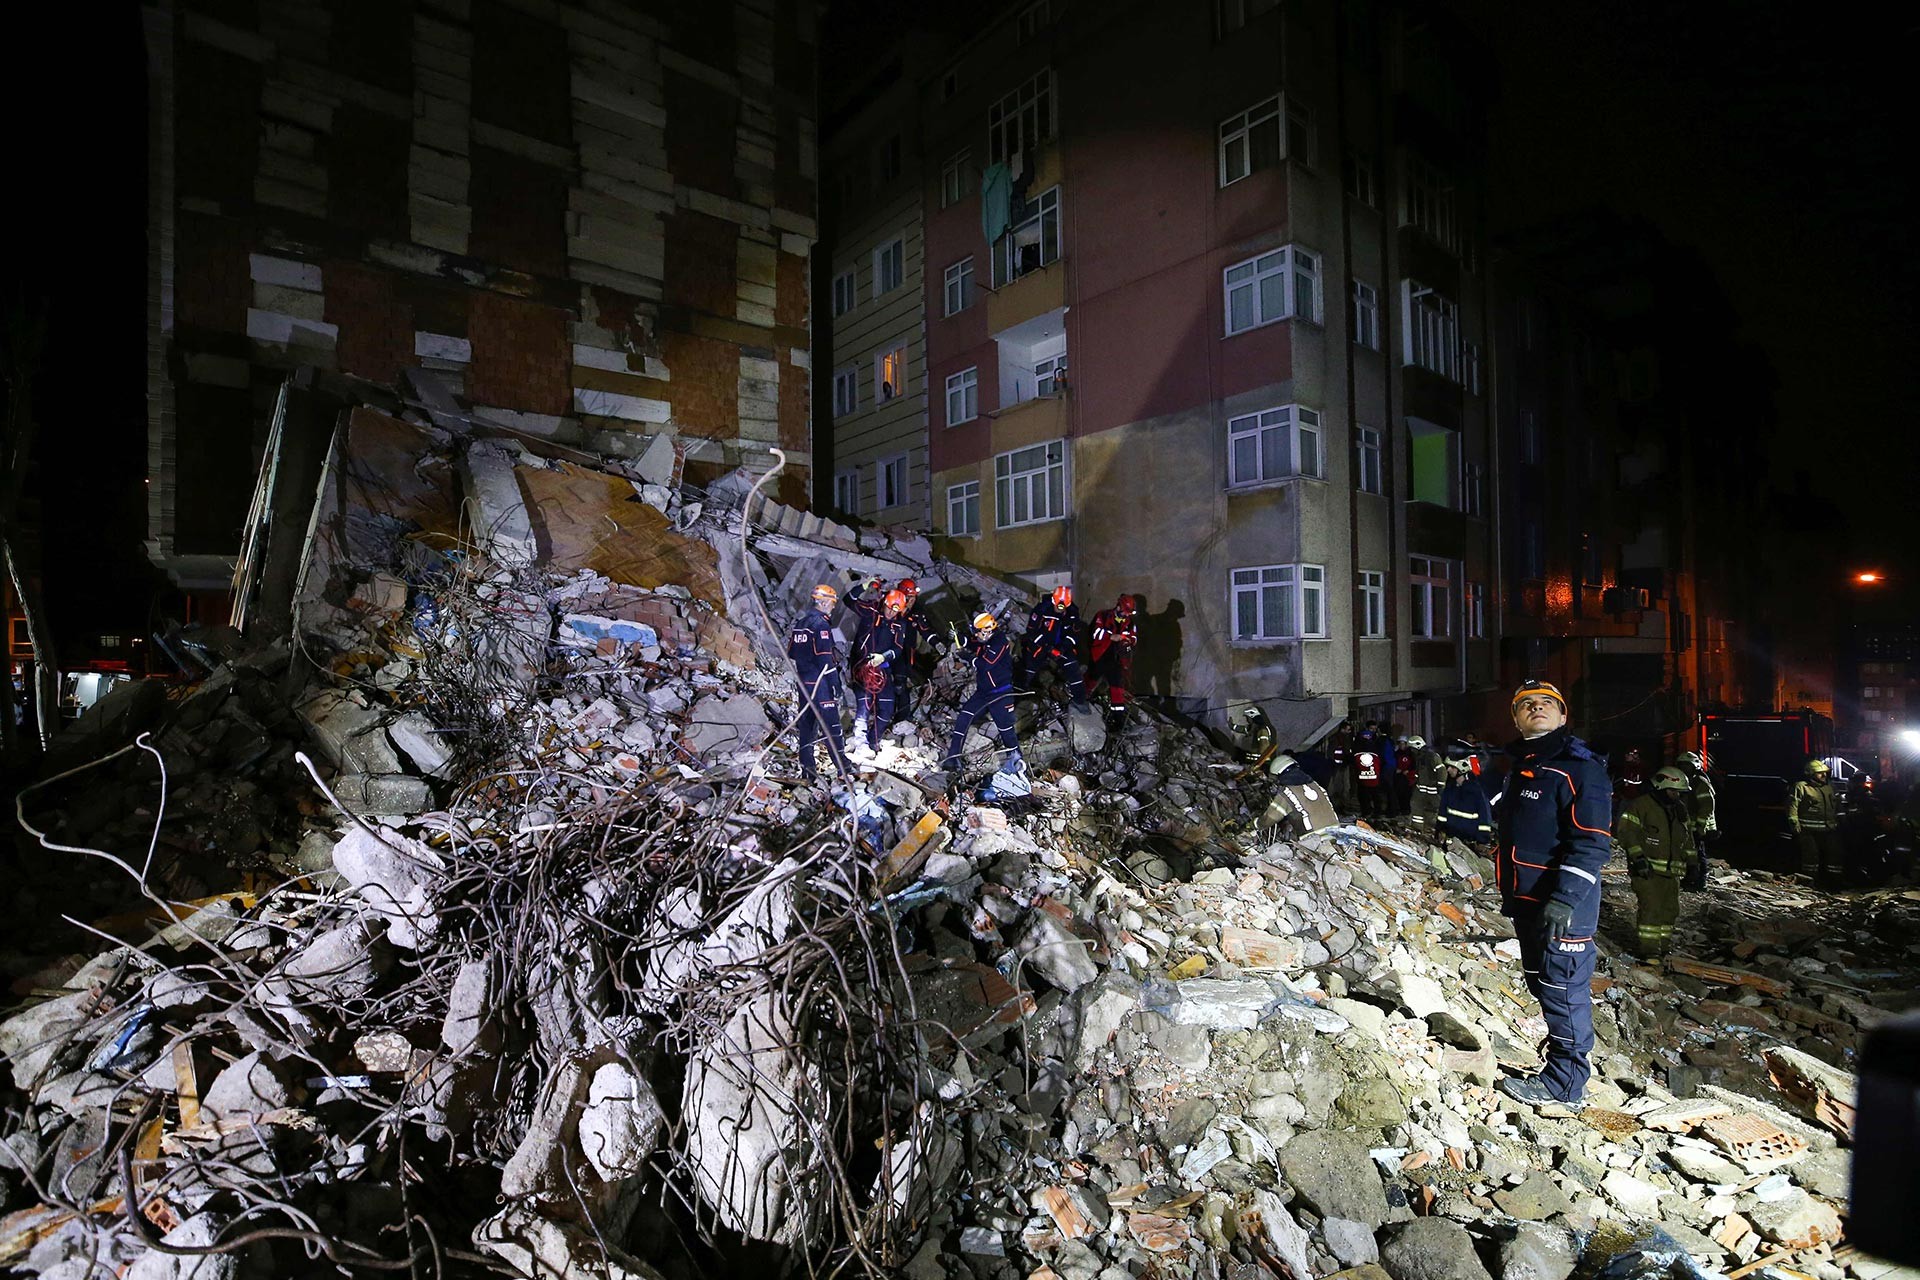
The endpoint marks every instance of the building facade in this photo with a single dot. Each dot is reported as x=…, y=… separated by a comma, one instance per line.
x=1205, y=322
x=591, y=221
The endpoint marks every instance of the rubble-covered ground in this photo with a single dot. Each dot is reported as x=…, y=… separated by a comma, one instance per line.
x=474, y=922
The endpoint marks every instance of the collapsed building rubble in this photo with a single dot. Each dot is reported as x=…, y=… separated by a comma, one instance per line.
x=486, y=929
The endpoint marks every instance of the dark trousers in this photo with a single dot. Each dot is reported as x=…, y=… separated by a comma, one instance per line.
x=1373, y=801
x=1560, y=976
x=820, y=717
x=1115, y=666
x=1067, y=660
x=877, y=706
x=999, y=705
x=1819, y=851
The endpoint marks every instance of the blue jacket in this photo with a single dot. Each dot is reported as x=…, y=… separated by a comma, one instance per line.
x=895, y=634
x=1049, y=628
x=992, y=663
x=810, y=644
x=1464, y=811
x=1553, y=816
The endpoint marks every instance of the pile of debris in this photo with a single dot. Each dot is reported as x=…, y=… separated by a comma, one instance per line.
x=545, y=965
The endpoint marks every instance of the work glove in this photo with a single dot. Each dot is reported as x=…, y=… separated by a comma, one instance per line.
x=1639, y=868
x=1556, y=920
x=1696, y=878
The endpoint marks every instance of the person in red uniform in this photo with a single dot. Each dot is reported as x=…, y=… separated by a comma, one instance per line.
x=1370, y=778
x=1053, y=638
x=1115, y=634
x=907, y=672
x=1632, y=782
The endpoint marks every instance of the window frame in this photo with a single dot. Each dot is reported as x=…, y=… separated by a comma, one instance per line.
x=1284, y=262
x=1369, y=443
x=1473, y=605
x=1425, y=588
x=1427, y=204
x=1044, y=208
x=1365, y=305
x=846, y=490
x=1470, y=367
x=1032, y=100
x=957, y=495
x=895, y=468
x=1532, y=439
x=1473, y=489
x=953, y=178
x=847, y=375
x=1363, y=178
x=1372, y=586
x=1050, y=376
x=1054, y=459
x=1261, y=425
x=892, y=245
x=967, y=382
x=1430, y=329
x=1026, y=27
x=1239, y=127
x=880, y=360
x=1300, y=581
x=957, y=273
x=851, y=279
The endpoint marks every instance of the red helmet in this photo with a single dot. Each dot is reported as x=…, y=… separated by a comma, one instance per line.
x=1127, y=606
x=1062, y=596
x=896, y=603
x=909, y=588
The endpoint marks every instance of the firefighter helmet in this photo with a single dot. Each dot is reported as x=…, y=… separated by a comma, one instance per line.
x=1127, y=606
x=1633, y=756
x=896, y=603
x=985, y=624
x=1528, y=687
x=1691, y=760
x=1280, y=763
x=1416, y=742
x=826, y=596
x=909, y=588
x=1668, y=778
x=1458, y=764
x=1818, y=769
x=1062, y=596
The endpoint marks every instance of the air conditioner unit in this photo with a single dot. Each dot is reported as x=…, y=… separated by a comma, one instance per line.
x=1624, y=599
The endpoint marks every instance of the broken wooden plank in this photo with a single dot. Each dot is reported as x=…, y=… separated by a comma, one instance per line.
x=186, y=1084
x=1825, y=1093
x=1727, y=975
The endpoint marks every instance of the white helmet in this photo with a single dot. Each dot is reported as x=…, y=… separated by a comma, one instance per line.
x=1417, y=742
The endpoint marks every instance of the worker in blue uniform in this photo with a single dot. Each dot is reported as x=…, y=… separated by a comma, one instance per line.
x=810, y=644
x=880, y=659
x=991, y=657
x=1053, y=638
x=1464, y=811
x=1552, y=819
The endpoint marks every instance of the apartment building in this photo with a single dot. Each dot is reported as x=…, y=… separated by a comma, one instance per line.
x=1882, y=712
x=1206, y=323
x=592, y=221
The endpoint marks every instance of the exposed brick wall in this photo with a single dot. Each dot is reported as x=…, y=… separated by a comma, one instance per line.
x=706, y=383
x=700, y=134
x=376, y=325
x=372, y=40
x=436, y=307
x=795, y=411
x=700, y=262
x=522, y=78
x=520, y=354
x=621, y=314
x=217, y=125
x=519, y=213
x=791, y=303
x=211, y=284
x=367, y=172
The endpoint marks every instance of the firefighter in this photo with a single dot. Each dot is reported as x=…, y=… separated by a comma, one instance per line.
x=1551, y=822
x=1053, y=637
x=1115, y=634
x=810, y=645
x=879, y=657
x=1632, y=782
x=1701, y=803
x=1814, y=814
x=991, y=657
x=1425, y=764
x=1464, y=812
x=1656, y=834
x=1299, y=804
x=1370, y=777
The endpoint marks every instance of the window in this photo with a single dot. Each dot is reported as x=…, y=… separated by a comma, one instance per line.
x=1428, y=203
x=1303, y=139
x=1470, y=366
x=1473, y=488
x=958, y=294
x=956, y=179
x=846, y=391
x=1363, y=181
x=1433, y=463
x=1030, y=485
x=1280, y=602
x=1274, y=444
x=1021, y=121
x=1373, y=604
x=1872, y=717
x=1031, y=22
x=963, y=509
x=1235, y=14
x=1031, y=243
x=845, y=292
x=1366, y=315
x=1474, y=596
x=1432, y=330
x=1250, y=141
x=109, y=642
x=890, y=374
x=1429, y=580
x=1050, y=376
x=1273, y=286
x=889, y=266
x=1366, y=459
x=846, y=491
x=949, y=86
x=896, y=489
x=1533, y=550
x=963, y=396
x=890, y=159
x=1870, y=691
x=1531, y=443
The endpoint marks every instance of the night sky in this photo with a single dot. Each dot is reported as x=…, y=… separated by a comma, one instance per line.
x=1768, y=139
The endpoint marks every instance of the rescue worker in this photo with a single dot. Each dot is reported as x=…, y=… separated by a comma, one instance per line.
x=866, y=600
x=885, y=644
x=810, y=645
x=1632, y=782
x=1370, y=778
x=1053, y=637
x=1813, y=812
x=1464, y=811
x=991, y=657
x=1115, y=635
x=1702, y=804
x=1340, y=754
x=1402, y=776
x=1299, y=804
x=1257, y=730
x=907, y=671
x=1425, y=763
x=1551, y=821
x=1656, y=834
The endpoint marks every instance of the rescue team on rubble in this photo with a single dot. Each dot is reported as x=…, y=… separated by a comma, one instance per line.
x=1550, y=825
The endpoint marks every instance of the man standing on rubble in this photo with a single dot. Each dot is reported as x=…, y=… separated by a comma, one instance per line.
x=880, y=654
x=1814, y=814
x=1552, y=818
x=1115, y=636
x=1464, y=812
x=810, y=645
x=1702, y=804
x=1656, y=834
x=1424, y=811
x=907, y=672
x=991, y=657
x=1053, y=638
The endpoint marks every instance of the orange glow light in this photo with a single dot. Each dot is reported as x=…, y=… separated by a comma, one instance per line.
x=1866, y=579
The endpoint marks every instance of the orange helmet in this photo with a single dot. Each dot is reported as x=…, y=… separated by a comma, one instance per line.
x=1127, y=606
x=896, y=603
x=909, y=588
x=825, y=596
x=1062, y=596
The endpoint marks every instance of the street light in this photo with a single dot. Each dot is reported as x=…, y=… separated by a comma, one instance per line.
x=1910, y=738
x=1868, y=578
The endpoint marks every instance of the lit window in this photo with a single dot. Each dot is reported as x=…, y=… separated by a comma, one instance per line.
x=1031, y=243
x=1431, y=329
x=1280, y=602
x=889, y=266
x=956, y=179
x=1273, y=286
x=958, y=291
x=963, y=509
x=1373, y=604
x=1366, y=451
x=963, y=396
x=890, y=374
x=846, y=491
x=1050, y=376
x=109, y=642
x=846, y=391
x=895, y=486
x=1430, y=582
x=845, y=292
x=1366, y=315
x=1030, y=485
x=1018, y=123
x=1273, y=444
